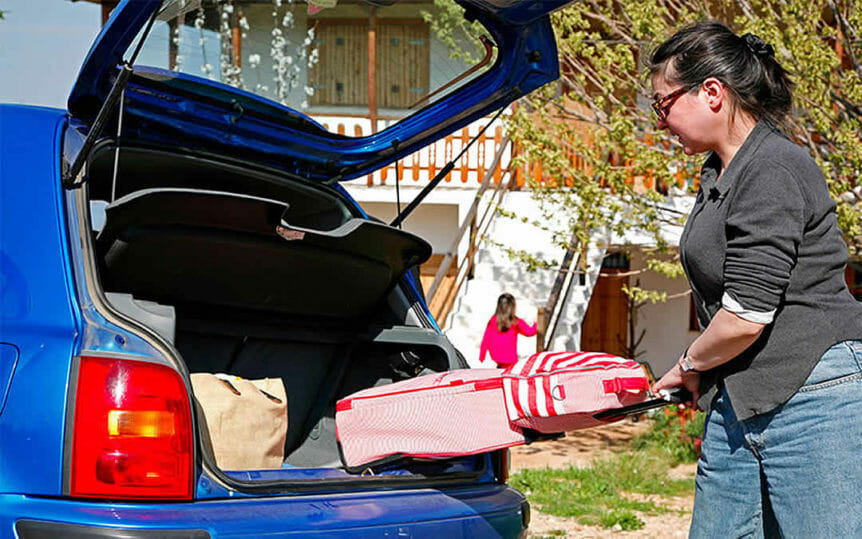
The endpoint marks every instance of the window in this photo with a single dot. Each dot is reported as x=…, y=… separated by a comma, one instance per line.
x=401, y=65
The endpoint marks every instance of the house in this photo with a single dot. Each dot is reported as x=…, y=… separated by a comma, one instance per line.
x=356, y=68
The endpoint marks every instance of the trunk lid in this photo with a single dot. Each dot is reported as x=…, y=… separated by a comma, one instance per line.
x=170, y=108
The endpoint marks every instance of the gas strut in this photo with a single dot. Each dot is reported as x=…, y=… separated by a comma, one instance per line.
x=440, y=175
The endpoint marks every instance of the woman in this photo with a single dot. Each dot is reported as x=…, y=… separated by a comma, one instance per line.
x=501, y=333
x=779, y=365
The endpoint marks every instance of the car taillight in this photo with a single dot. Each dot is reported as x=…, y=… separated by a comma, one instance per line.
x=132, y=435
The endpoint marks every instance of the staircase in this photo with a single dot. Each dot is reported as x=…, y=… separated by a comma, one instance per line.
x=495, y=272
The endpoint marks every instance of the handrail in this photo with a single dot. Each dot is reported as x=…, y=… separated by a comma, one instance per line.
x=450, y=254
x=549, y=311
x=467, y=267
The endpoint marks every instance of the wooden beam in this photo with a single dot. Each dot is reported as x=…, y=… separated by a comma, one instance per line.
x=236, y=38
x=372, y=68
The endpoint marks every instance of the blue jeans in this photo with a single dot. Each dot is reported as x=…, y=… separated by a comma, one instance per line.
x=793, y=472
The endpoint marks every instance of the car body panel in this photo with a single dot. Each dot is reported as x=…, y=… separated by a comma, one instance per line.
x=38, y=315
x=492, y=511
x=8, y=361
x=45, y=325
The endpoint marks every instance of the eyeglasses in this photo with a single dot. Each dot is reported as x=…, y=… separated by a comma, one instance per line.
x=662, y=106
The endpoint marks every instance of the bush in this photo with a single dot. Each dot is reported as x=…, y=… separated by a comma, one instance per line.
x=676, y=432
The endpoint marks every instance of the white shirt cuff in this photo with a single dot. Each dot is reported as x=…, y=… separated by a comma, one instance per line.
x=759, y=317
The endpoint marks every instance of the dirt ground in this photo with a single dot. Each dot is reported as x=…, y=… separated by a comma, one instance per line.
x=579, y=449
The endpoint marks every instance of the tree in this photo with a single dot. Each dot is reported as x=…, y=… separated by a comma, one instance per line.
x=593, y=132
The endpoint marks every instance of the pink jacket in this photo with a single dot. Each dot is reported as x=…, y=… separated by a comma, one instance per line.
x=503, y=346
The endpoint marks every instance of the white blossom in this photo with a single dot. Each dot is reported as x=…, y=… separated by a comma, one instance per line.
x=253, y=60
x=200, y=18
x=313, y=57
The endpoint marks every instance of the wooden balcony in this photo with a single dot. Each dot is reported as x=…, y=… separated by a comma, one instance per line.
x=420, y=167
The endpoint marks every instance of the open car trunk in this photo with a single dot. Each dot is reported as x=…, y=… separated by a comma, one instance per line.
x=250, y=275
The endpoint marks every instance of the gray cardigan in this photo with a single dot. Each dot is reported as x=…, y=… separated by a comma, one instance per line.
x=764, y=243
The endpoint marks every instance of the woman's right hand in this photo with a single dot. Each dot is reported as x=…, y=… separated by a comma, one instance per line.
x=676, y=378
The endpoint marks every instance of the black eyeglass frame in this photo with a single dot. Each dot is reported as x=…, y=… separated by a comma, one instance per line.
x=662, y=106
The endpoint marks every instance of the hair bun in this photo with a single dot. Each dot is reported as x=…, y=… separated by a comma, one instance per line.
x=757, y=45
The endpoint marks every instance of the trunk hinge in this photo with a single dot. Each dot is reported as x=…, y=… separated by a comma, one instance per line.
x=72, y=176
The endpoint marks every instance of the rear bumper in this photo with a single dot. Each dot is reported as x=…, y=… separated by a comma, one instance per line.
x=493, y=511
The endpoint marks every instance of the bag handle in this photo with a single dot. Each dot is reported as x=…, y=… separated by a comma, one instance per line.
x=620, y=385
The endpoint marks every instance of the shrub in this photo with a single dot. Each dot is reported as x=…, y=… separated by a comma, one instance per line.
x=676, y=433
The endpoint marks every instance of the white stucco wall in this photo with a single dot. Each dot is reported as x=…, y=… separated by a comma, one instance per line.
x=436, y=223
x=666, y=324
x=437, y=219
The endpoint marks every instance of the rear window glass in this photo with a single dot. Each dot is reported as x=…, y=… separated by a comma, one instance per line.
x=357, y=60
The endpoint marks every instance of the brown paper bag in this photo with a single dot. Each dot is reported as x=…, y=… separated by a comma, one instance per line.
x=246, y=419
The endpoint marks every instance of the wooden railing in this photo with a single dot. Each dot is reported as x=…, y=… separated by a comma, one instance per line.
x=421, y=166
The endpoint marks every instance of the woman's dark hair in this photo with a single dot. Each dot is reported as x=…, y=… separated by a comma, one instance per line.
x=744, y=64
x=505, y=312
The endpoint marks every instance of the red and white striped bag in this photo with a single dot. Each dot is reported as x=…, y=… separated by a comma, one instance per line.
x=440, y=415
x=561, y=391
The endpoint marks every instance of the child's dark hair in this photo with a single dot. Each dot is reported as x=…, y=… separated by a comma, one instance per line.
x=505, y=312
x=744, y=64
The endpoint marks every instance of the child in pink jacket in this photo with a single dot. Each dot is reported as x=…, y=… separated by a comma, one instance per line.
x=501, y=333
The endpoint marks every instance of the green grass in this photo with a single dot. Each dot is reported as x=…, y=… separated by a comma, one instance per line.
x=597, y=495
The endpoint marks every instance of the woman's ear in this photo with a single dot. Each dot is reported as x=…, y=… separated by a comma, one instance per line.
x=714, y=92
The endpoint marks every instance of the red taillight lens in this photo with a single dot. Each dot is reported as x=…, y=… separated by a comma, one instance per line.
x=133, y=432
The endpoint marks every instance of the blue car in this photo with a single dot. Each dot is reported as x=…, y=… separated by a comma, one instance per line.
x=167, y=224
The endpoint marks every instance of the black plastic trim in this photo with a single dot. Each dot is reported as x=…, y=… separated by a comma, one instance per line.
x=39, y=529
